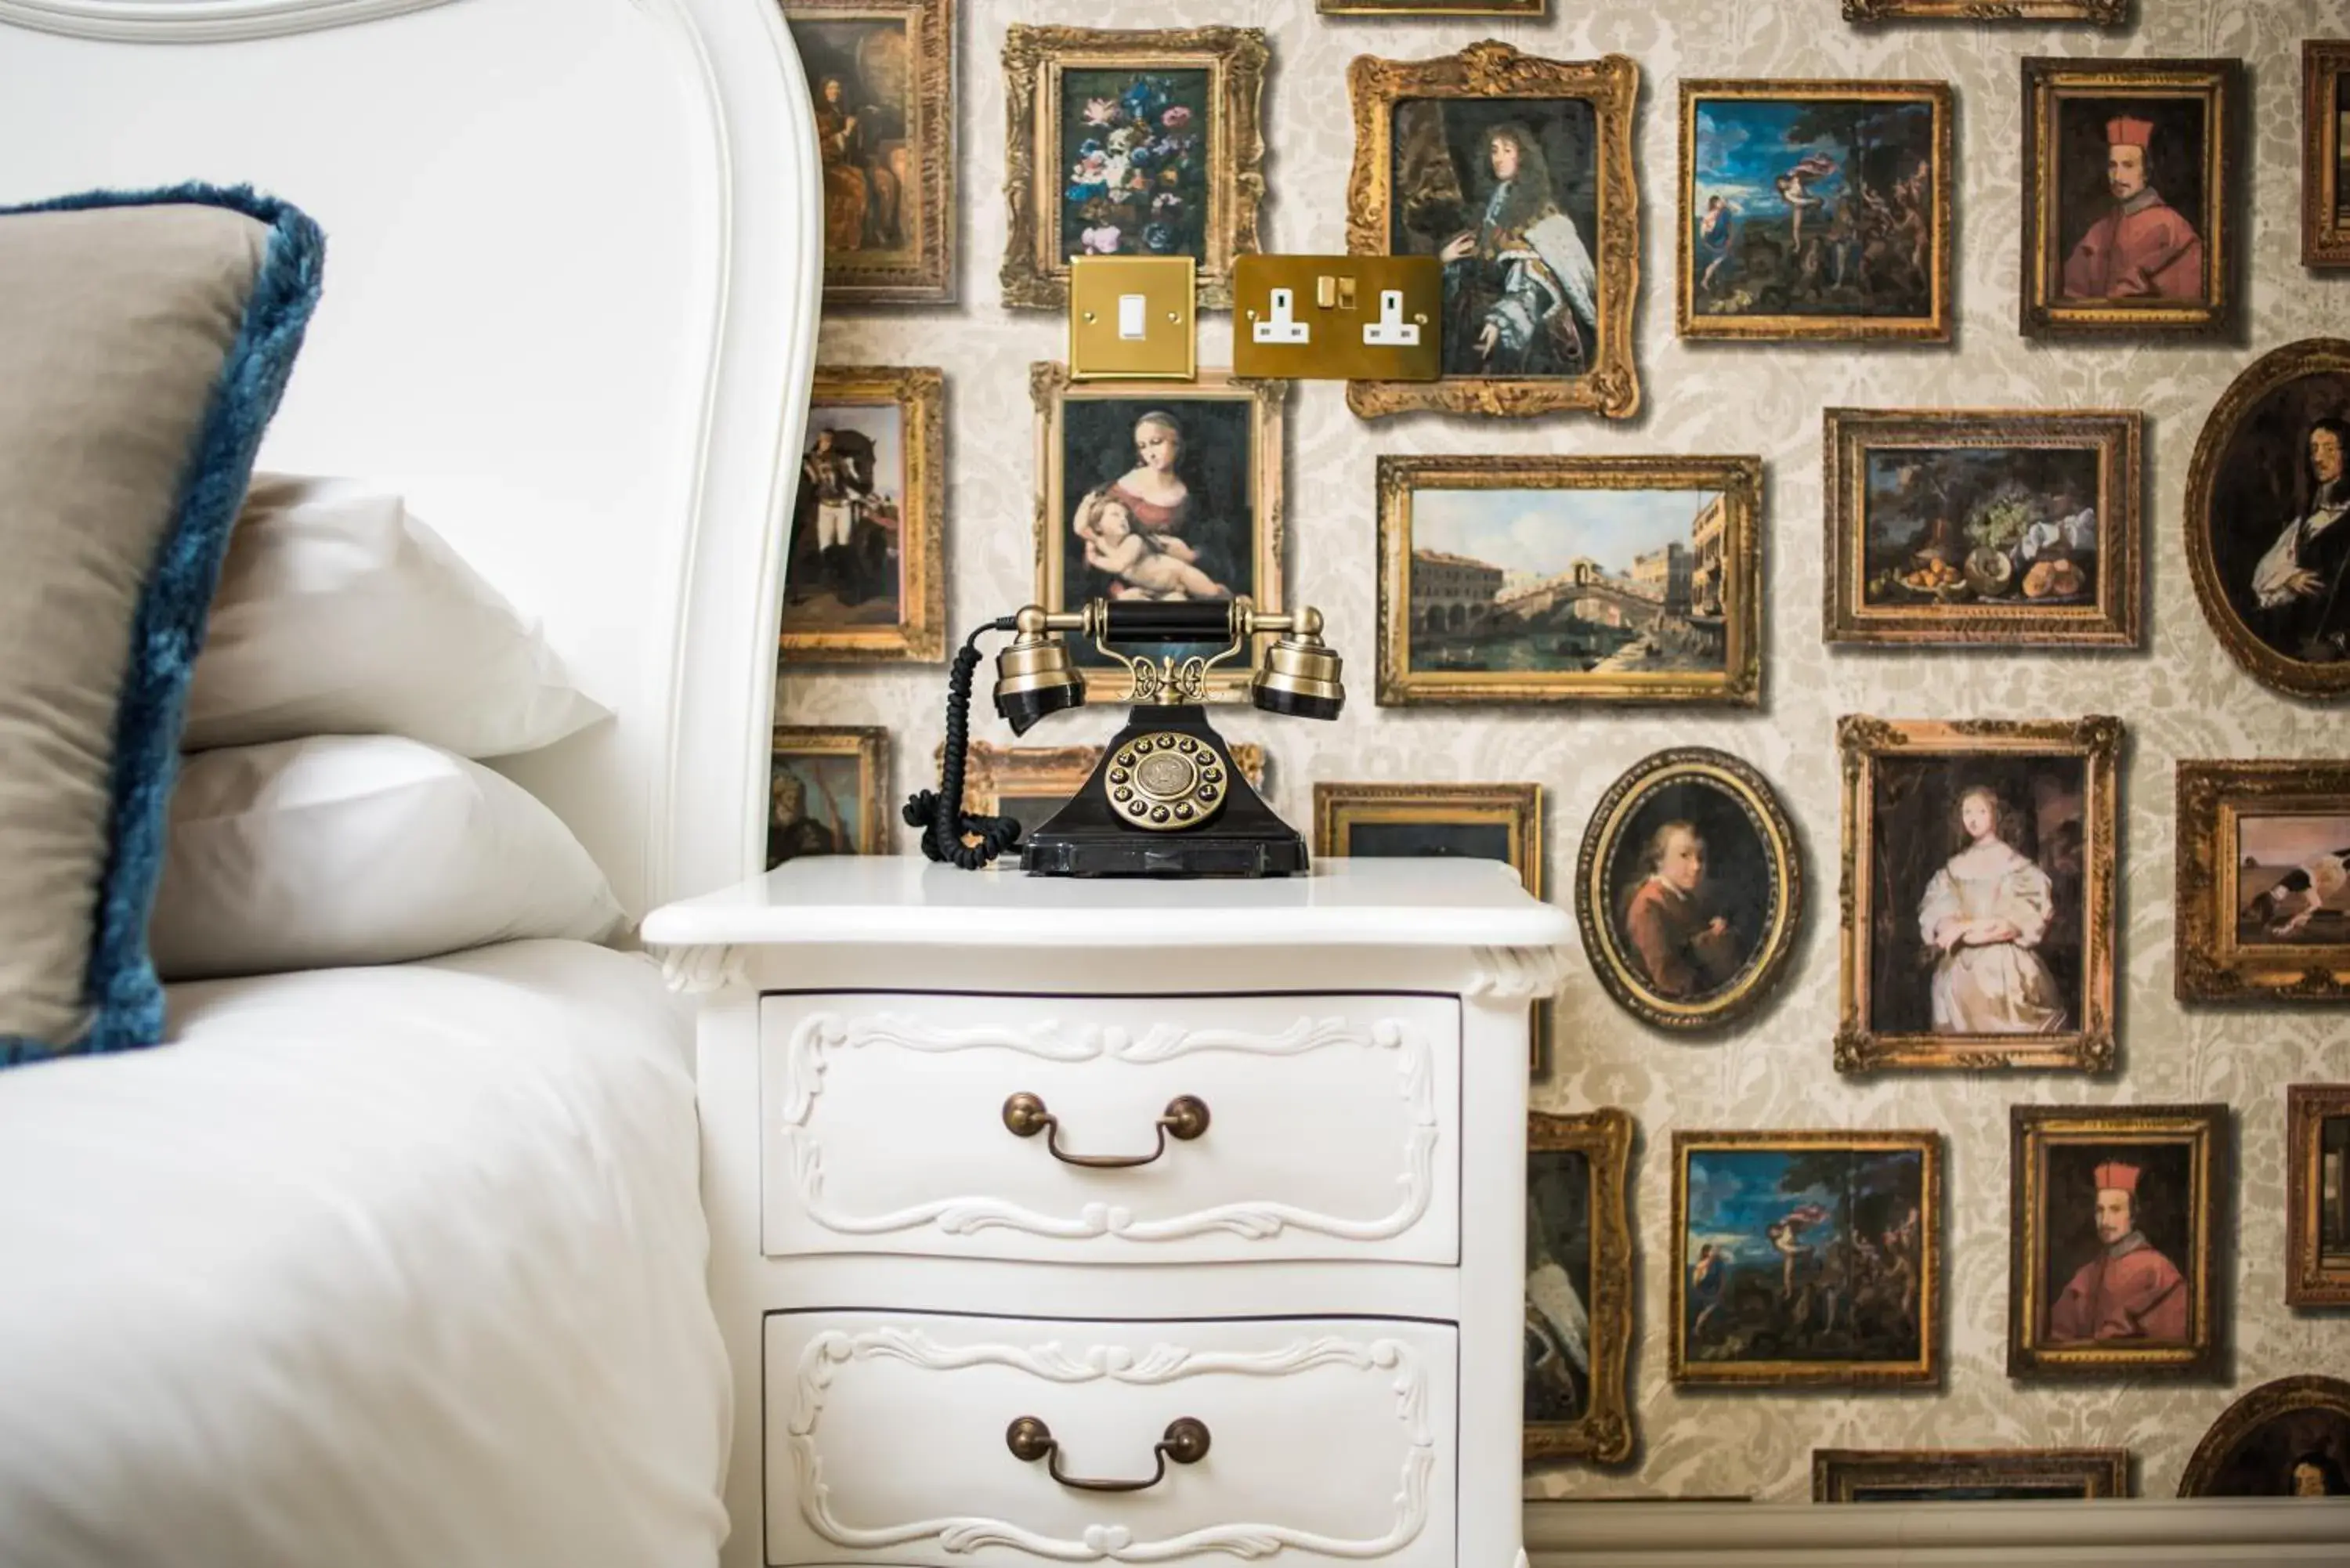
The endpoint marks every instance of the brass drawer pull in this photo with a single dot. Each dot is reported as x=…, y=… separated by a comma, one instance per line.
x=1185, y=1442
x=1185, y=1118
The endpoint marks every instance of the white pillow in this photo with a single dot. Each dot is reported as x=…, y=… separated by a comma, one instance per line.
x=339, y=614
x=360, y=849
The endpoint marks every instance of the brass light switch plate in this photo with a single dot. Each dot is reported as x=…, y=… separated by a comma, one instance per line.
x=1135, y=317
x=1339, y=318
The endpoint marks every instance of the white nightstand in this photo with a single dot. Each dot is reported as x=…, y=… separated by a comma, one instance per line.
x=1017, y=1184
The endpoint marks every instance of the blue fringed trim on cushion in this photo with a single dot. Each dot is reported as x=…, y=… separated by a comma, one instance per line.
x=125, y=997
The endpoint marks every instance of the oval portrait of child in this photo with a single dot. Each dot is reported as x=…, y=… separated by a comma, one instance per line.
x=1688, y=888
x=2267, y=518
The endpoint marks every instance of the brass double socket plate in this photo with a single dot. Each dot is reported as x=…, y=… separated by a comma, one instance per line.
x=1134, y=318
x=1338, y=318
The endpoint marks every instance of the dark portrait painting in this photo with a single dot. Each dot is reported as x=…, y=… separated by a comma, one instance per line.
x=1135, y=160
x=2133, y=214
x=815, y=805
x=1981, y=525
x=1978, y=867
x=1469, y=840
x=1825, y=209
x=2289, y=1438
x=845, y=566
x=2278, y=517
x=1805, y=1258
x=2118, y=1233
x=861, y=71
x=1159, y=503
x=2292, y=879
x=1506, y=193
x=2334, y=1191
x=1558, y=1285
x=1694, y=886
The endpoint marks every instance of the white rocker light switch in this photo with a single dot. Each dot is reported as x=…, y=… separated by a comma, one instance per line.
x=1280, y=328
x=1130, y=318
x=1391, y=330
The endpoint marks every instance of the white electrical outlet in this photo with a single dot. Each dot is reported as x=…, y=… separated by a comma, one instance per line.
x=1391, y=330
x=1280, y=328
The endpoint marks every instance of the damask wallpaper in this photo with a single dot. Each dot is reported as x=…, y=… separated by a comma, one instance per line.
x=2179, y=697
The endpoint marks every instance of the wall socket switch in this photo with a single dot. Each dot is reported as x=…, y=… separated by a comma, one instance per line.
x=1338, y=318
x=1133, y=317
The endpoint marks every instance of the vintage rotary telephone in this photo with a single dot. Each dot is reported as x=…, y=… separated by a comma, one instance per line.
x=1166, y=799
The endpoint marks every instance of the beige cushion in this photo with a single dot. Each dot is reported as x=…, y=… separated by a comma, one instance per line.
x=114, y=323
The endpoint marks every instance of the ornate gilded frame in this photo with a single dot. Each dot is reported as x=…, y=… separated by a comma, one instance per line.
x=2032, y=1131
x=2211, y=966
x=1934, y=327
x=1495, y=70
x=869, y=744
x=1737, y=684
x=2308, y=357
x=1594, y=905
x=1603, y=1433
x=1863, y=741
x=2280, y=1396
x=2046, y=79
x=992, y=772
x=1838, y=1475
x=2116, y=620
x=2104, y=13
x=1050, y=387
x=919, y=636
x=1430, y=7
x=1926, y=1369
x=929, y=277
x=1035, y=275
x=2324, y=238
x=2309, y=1280
x=1516, y=806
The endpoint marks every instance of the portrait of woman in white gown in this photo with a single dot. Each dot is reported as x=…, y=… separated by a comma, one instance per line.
x=1983, y=917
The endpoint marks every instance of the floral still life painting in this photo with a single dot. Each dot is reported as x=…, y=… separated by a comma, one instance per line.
x=1135, y=156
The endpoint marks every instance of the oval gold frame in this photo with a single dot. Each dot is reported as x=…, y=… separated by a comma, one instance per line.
x=1592, y=912
x=2305, y=1391
x=2307, y=357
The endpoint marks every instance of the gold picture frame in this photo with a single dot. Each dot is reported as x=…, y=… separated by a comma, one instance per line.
x=2218, y=957
x=2172, y=1164
x=1258, y=559
x=1927, y=772
x=2103, y=12
x=1643, y=935
x=2325, y=193
x=1431, y=7
x=2317, y=1194
x=2301, y=1408
x=1610, y=385
x=1724, y=572
x=1231, y=160
x=859, y=169
x=842, y=632
x=1715, y=235
x=1973, y=1475
x=2149, y=94
x=1723, y=1278
x=2253, y=468
x=1995, y=605
x=825, y=832
x=1603, y=1433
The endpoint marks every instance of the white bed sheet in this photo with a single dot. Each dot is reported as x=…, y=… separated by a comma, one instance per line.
x=377, y=1267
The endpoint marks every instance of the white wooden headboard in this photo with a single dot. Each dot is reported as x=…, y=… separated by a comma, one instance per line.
x=573, y=258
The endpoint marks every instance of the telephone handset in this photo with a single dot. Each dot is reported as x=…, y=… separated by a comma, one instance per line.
x=1166, y=800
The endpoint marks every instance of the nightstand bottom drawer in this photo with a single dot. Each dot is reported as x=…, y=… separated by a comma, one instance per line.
x=941, y=1439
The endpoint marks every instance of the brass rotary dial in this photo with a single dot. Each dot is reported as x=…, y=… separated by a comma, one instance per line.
x=1167, y=781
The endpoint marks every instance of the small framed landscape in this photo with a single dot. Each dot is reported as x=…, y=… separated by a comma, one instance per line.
x=864, y=576
x=2130, y=196
x=1688, y=888
x=1968, y=1475
x=1578, y=1287
x=1516, y=173
x=2104, y=13
x=2290, y=1438
x=1816, y=210
x=825, y=792
x=1031, y=783
x=1570, y=579
x=2264, y=896
x=1980, y=867
x=2325, y=155
x=1141, y=143
x=2114, y=1241
x=1806, y=1258
x=1973, y=526
x=2317, y=1194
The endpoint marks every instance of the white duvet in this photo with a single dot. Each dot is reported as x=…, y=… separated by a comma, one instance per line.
x=377, y=1268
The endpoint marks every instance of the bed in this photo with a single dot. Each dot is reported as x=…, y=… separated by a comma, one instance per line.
x=404, y=1264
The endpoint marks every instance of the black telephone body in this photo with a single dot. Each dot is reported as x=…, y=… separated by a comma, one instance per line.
x=1166, y=798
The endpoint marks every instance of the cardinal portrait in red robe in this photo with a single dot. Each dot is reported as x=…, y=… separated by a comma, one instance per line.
x=2143, y=248
x=2130, y=1290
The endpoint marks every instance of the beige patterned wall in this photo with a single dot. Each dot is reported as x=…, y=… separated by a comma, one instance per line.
x=2181, y=697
